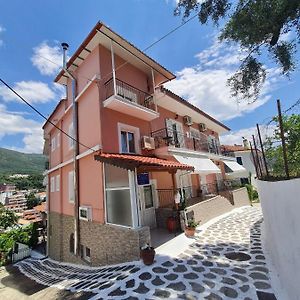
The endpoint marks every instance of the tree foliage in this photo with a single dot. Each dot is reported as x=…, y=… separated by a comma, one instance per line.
x=7, y=218
x=31, y=200
x=274, y=153
x=255, y=25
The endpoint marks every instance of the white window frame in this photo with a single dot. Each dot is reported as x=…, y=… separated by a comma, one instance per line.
x=53, y=144
x=71, y=133
x=88, y=210
x=71, y=185
x=52, y=184
x=85, y=257
x=136, y=133
x=57, y=183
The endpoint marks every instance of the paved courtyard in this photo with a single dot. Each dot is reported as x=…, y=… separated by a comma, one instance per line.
x=202, y=271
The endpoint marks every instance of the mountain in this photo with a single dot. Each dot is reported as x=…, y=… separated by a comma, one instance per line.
x=14, y=162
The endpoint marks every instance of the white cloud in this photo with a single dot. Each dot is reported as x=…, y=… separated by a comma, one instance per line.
x=236, y=137
x=32, y=91
x=48, y=59
x=205, y=84
x=2, y=29
x=12, y=123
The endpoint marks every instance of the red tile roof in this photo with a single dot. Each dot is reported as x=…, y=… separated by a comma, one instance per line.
x=233, y=148
x=129, y=161
x=41, y=207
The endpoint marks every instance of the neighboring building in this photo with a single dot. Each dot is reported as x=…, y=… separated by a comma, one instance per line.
x=16, y=202
x=244, y=157
x=6, y=190
x=138, y=143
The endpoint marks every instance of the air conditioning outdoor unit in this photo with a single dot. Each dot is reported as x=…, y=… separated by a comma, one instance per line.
x=187, y=120
x=202, y=127
x=85, y=213
x=148, y=143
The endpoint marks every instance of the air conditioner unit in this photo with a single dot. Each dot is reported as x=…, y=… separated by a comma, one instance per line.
x=148, y=143
x=187, y=120
x=202, y=127
x=85, y=213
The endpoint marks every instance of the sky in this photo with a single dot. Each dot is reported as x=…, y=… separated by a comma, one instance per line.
x=30, y=56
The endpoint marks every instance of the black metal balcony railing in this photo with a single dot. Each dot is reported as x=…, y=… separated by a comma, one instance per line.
x=129, y=93
x=169, y=137
x=196, y=194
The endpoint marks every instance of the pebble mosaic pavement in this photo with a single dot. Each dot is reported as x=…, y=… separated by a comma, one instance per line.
x=200, y=272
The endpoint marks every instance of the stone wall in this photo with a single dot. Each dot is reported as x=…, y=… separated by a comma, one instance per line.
x=109, y=244
x=216, y=206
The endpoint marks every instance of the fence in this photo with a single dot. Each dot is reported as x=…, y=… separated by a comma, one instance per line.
x=20, y=252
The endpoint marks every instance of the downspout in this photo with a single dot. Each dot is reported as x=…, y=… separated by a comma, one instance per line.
x=65, y=47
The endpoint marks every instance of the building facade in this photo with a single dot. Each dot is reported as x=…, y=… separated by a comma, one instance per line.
x=121, y=147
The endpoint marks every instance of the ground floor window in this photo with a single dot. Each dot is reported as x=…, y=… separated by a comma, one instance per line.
x=118, y=196
x=72, y=243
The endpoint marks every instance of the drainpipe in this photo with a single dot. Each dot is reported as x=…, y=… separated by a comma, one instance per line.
x=65, y=47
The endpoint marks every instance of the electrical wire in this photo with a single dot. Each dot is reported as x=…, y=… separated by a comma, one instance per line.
x=43, y=116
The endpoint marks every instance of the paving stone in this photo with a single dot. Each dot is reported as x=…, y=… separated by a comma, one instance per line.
x=228, y=280
x=257, y=275
x=240, y=277
x=177, y=286
x=262, y=285
x=191, y=276
x=157, y=281
x=229, y=292
x=239, y=270
x=171, y=276
x=192, y=262
x=260, y=269
x=245, y=288
x=210, y=276
x=117, y=292
x=130, y=283
x=213, y=296
x=211, y=284
x=167, y=264
x=218, y=271
x=180, y=269
x=162, y=293
x=141, y=289
x=159, y=270
x=207, y=263
x=145, y=276
x=198, y=269
x=197, y=288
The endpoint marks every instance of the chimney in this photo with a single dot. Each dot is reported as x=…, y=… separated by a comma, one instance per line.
x=246, y=143
x=65, y=47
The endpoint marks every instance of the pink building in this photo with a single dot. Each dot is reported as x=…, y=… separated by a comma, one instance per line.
x=136, y=143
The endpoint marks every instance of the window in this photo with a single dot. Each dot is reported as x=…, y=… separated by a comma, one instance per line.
x=71, y=187
x=72, y=243
x=148, y=196
x=239, y=160
x=127, y=142
x=175, y=131
x=71, y=133
x=85, y=253
x=118, y=200
x=53, y=144
x=128, y=138
x=57, y=183
x=52, y=184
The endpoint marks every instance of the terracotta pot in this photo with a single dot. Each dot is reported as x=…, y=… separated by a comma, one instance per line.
x=190, y=231
x=147, y=255
x=171, y=224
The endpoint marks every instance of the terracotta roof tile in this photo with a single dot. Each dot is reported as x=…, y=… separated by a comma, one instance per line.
x=129, y=161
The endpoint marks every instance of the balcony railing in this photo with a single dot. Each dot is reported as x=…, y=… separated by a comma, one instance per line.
x=129, y=93
x=169, y=137
x=196, y=194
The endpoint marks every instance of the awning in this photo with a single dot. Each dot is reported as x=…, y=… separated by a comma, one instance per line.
x=237, y=171
x=141, y=163
x=201, y=165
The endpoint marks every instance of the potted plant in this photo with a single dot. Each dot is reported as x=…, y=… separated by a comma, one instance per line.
x=190, y=228
x=147, y=254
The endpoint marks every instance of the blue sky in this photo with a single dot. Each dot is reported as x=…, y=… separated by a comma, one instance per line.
x=31, y=29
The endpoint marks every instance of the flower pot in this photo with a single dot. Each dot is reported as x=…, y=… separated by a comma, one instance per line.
x=171, y=224
x=147, y=255
x=190, y=231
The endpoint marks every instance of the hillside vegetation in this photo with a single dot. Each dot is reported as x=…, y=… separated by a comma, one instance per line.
x=14, y=162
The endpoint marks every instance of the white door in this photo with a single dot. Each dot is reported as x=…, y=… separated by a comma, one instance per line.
x=147, y=200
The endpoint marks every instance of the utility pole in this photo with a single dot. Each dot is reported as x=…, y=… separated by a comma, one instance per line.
x=286, y=167
x=253, y=156
x=262, y=150
x=257, y=159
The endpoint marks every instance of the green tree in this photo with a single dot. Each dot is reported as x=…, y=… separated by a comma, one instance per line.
x=256, y=25
x=274, y=153
x=31, y=201
x=7, y=218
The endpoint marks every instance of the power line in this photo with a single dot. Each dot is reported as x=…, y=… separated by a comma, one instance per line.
x=43, y=116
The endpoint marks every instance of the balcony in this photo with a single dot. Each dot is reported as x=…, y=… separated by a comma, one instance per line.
x=129, y=100
x=169, y=137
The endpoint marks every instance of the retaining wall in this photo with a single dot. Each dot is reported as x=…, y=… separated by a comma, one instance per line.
x=280, y=203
